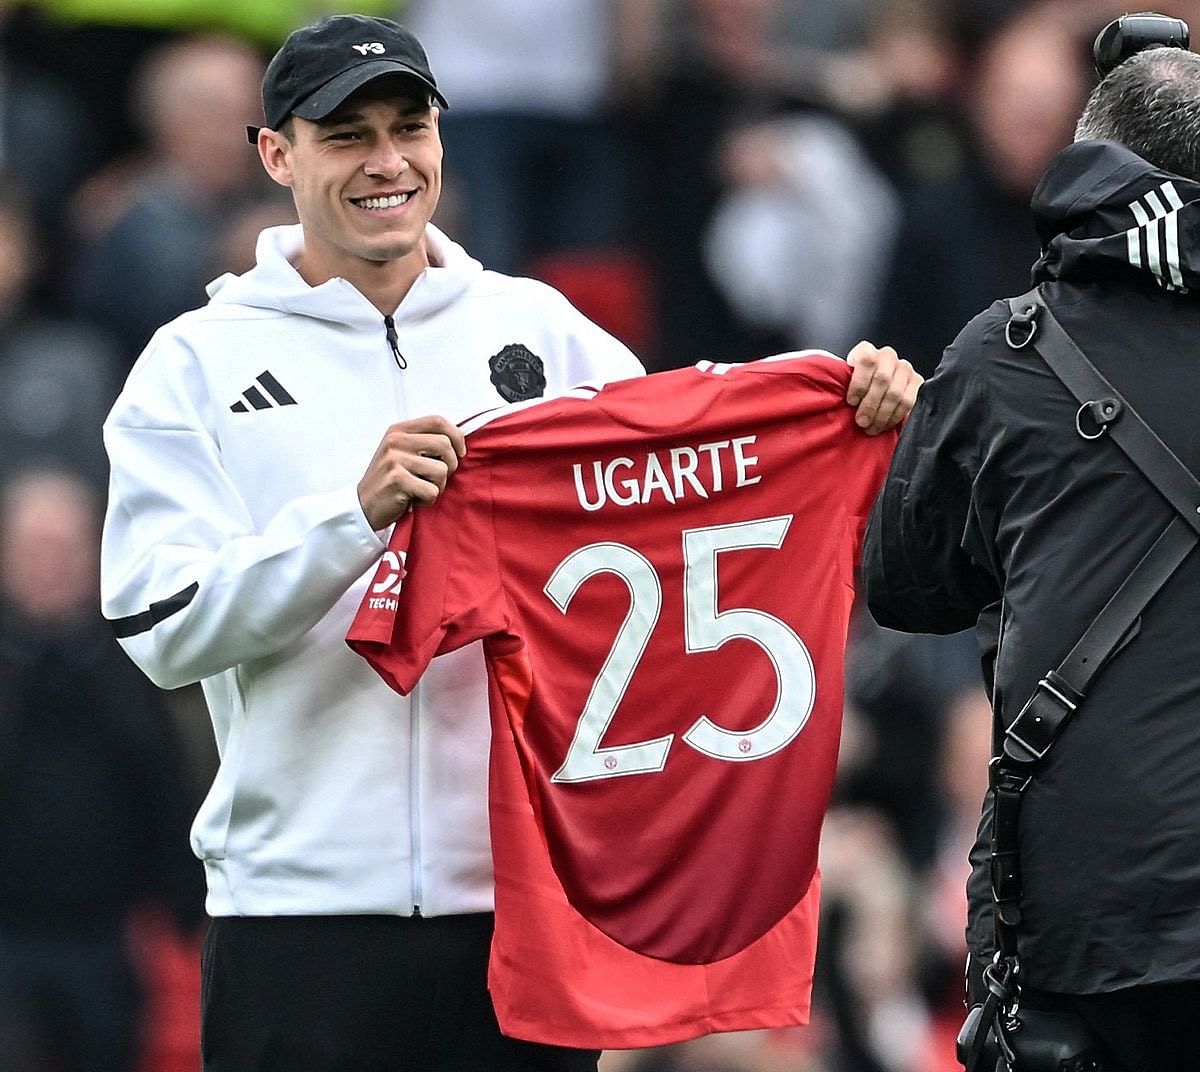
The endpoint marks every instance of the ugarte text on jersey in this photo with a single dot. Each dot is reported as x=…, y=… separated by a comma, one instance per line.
x=673, y=473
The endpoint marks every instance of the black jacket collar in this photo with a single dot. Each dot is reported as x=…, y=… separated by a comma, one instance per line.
x=1102, y=212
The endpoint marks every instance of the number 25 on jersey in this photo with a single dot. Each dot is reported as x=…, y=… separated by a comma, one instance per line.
x=705, y=629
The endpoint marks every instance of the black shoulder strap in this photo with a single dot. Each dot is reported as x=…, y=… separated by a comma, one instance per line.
x=1132, y=434
x=1102, y=410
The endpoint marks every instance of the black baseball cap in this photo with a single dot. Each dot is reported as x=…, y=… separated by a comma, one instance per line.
x=319, y=66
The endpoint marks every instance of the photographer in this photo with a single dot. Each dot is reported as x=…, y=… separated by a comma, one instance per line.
x=1001, y=490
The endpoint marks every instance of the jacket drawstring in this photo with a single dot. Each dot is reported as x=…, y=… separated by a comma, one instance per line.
x=389, y=327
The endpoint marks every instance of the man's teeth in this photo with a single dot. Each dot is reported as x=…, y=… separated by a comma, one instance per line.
x=394, y=201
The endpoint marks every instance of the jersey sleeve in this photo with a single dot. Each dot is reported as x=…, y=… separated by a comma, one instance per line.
x=874, y=457
x=437, y=587
x=865, y=458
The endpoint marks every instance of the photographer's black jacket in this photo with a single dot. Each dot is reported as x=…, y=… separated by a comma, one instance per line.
x=992, y=494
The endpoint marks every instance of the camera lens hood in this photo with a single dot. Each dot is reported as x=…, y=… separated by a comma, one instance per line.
x=1130, y=34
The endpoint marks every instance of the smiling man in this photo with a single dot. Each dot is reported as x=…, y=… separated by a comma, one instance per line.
x=260, y=452
x=361, y=153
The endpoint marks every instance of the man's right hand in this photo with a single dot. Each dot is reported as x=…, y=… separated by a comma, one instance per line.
x=411, y=464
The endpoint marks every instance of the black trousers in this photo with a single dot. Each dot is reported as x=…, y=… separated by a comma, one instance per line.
x=1142, y=1028
x=359, y=994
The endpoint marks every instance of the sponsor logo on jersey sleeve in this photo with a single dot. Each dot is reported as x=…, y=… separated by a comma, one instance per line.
x=389, y=579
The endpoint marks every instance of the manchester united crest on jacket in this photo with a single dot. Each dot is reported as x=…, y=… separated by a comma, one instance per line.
x=517, y=373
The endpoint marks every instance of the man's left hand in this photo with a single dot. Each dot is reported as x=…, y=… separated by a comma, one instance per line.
x=883, y=387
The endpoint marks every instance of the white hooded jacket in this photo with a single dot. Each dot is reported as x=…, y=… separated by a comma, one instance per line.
x=235, y=553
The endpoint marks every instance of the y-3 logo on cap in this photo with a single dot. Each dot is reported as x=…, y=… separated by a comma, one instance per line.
x=370, y=46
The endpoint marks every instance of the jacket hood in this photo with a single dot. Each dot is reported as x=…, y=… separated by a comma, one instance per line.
x=273, y=283
x=1102, y=212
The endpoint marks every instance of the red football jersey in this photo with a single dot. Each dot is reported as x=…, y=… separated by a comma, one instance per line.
x=662, y=573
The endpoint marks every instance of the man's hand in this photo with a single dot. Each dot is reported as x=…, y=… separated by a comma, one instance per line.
x=883, y=386
x=412, y=464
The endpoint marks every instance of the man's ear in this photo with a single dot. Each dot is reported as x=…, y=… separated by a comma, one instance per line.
x=275, y=152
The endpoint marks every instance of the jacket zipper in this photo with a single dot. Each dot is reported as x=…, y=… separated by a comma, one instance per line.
x=389, y=329
x=414, y=798
x=414, y=762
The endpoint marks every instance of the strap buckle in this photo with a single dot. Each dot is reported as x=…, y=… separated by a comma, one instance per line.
x=1002, y=776
x=1040, y=721
x=1024, y=318
x=1101, y=413
x=1000, y=977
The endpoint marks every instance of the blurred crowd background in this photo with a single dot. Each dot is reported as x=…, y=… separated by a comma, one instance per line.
x=708, y=179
